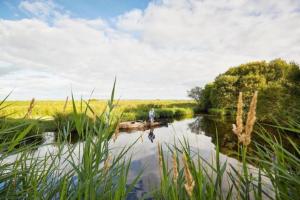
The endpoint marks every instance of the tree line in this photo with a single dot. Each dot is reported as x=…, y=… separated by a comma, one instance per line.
x=277, y=83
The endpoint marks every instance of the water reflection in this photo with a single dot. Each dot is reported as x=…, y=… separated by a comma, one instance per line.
x=144, y=153
x=200, y=132
x=151, y=135
x=214, y=126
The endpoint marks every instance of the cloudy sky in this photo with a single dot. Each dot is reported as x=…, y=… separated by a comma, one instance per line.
x=157, y=49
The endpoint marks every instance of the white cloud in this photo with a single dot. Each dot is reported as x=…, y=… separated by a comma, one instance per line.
x=42, y=9
x=159, y=52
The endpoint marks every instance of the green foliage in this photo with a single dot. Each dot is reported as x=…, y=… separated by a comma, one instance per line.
x=277, y=81
x=140, y=112
x=195, y=93
x=217, y=111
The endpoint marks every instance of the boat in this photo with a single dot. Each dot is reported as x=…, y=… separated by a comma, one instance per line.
x=140, y=125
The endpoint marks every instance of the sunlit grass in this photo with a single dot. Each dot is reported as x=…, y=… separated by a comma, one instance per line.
x=47, y=109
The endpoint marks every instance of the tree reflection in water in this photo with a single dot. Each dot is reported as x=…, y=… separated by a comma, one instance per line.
x=212, y=125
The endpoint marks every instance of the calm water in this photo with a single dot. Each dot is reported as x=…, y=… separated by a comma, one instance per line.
x=199, y=131
x=200, y=136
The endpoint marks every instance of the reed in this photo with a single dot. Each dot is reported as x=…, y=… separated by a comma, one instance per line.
x=244, y=134
x=66, y=104
x=189, y=181
x=175, y=168
x=107, y=164
x=238, y=128
x=30, y=108
x=160, y=159
x=251, y=118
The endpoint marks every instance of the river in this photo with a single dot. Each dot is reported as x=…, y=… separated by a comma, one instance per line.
x=200, y=132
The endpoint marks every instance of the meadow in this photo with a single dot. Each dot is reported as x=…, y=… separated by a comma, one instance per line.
x=52, y=116
x=130, y=109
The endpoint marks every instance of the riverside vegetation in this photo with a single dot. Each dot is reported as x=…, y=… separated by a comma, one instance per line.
x=99, y=175
x=277, y=81
x=49, y=116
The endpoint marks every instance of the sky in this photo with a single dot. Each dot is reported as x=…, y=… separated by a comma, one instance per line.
x=157, y=49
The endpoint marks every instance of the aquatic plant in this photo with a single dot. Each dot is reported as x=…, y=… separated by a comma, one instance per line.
x=175, y=167
x=29, y=111
x=244, y=134
x=189, y=181
x=65, y=105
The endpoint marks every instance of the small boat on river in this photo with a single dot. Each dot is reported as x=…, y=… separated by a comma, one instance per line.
x=140, y=125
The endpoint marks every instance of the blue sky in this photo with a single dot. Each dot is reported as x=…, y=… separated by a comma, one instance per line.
x=79, y=8
x=157, y=49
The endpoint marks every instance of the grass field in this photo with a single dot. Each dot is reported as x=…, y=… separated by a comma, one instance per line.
x=131, y=109
x=55, y=116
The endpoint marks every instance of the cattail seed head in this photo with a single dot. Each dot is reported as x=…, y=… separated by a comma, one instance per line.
x=107, y=163
x=238, y=129
x=175, y=167
x=251, y=118
x=30, y=108
x=189, y=181
x=65, y=105
x=244, y=134
x=160, y=159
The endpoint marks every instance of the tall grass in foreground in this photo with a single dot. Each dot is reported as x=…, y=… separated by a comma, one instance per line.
x=93, y=173
x=276, y=174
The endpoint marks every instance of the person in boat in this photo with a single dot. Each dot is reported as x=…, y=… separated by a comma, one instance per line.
x=151, y=115
x=151, y=135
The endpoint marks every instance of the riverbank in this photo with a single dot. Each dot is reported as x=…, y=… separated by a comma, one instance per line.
x=54, y=116
x=131, y=109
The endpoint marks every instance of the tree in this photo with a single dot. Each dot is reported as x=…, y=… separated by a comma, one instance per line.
x=224, y=91
x=277, y=81
x=195, y=93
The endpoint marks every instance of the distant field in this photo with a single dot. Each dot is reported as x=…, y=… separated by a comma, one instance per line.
x=131, y=109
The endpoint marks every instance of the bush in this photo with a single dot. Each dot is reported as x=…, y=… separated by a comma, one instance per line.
x=164, y=113
x=277, y=83
x=128, y=116
x=216, y=111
